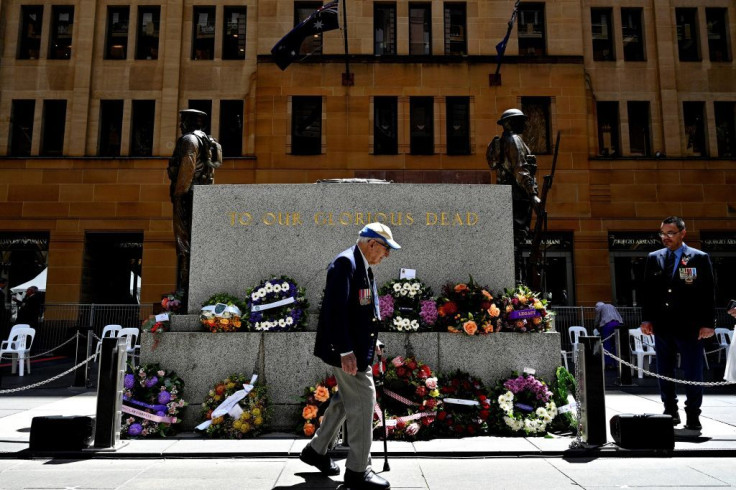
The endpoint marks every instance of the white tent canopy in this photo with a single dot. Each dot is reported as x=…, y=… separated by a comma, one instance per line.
x=39, y=281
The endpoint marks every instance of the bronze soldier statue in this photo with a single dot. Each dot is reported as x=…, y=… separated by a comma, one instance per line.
x=195, y=157
x=514, y=164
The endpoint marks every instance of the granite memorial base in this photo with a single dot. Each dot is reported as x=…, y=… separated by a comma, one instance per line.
x=284, y=361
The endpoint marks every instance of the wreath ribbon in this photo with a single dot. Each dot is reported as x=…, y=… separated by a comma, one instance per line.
x=461, y=401
x=400, y=398
x=275, y=304
x=158, y=408
x=146, y=415
x=406, y=418
x=230, y=405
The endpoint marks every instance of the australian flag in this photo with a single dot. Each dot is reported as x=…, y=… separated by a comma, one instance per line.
x=321, y=20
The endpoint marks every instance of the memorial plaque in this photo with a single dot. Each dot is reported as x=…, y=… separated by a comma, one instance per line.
x=242, y=234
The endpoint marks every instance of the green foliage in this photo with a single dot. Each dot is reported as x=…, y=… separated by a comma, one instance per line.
x=227, y=299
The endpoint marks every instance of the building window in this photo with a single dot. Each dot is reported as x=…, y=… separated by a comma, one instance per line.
x=233, y=40
x=531, y=29
x=203, y=37
x=116, y=44
x=718, y=46
x=632, y=32
x=538, y=125
x=21, y=127
x=455, y=29
x=726, y=128
x=141, y=128
x=608, y=135
x=385, y=126
x=205, y=106
x=312, y=44
x=458, y=125
x=602, y=30
x=149, y=20
x=62, y=23
x=640, y=143
x=384, y=28
x=687, y=34
x=31, y=17
x=421, y=111
x=231, y=127
x=111, y=271
x=52, y=127
x=420, y=28
x=111, y=123
x=306, y=125
x=694, y=118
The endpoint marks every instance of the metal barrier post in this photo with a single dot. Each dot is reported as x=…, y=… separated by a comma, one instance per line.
x=592, y=390
x=84, y=340
x=623, y=351
x=110, y=393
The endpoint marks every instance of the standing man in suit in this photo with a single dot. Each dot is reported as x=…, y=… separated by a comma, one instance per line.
x=29, y=309
x=679, y=308
x=346, y=339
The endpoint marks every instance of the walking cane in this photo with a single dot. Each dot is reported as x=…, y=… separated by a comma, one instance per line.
x=386, y=467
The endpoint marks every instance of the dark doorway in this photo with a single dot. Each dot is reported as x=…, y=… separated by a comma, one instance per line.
x=111, y=271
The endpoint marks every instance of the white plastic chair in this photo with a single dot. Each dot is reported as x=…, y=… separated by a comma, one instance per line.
x=573, y=334
x=6, y=343
x=109, y=331
x=725, y=338
x=131, y=339
x=19, y=345
x=642, y=346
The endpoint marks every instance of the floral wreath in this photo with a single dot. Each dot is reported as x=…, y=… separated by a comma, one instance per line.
x=409, y=397
x=523, y=311
x=248, y=420
x=151, y=402
x=315, y=401
x=275, y=305
x=221, y=313
x=407, y=305
x=524, y=406
x=468, y=308
x=158, y=324
x=465, y=406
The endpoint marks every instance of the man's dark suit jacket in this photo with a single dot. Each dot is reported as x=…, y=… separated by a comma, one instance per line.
x=29, y=310
x=676, y=306
x=344, y=324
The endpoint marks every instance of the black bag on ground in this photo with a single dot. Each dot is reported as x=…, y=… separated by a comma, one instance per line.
x=57, y=433
x=645, y=431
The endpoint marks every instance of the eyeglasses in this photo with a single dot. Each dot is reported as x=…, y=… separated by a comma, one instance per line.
x=669, y=234
x=388, y=249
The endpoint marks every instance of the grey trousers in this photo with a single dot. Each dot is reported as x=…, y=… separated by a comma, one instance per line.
x=354, y=402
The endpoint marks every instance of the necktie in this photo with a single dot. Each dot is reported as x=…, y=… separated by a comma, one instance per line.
x=669, y=263
x=374, y=293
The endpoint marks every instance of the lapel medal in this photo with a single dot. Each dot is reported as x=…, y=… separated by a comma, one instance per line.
x=688, y=274
x=364, y=296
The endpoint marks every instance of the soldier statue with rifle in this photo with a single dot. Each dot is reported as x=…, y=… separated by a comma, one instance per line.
x=195, y=157
x=515, y=165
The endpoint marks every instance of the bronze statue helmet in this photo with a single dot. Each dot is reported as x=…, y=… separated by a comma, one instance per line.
x=509, y=114
x=193, y=117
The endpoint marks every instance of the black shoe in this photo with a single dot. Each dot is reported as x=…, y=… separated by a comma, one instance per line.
x=693, y=423
x=675, y=416
x=366, y=480
x=320, y=461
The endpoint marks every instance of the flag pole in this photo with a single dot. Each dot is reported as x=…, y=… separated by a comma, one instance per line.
x=495, y=79
x=348, y=78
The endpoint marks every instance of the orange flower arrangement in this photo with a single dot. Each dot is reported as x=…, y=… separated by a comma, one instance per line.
x=468, y=308
x=316, y=399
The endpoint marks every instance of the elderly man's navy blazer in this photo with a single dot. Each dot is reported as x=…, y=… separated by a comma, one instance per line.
x=344, y=324
x=677, y=305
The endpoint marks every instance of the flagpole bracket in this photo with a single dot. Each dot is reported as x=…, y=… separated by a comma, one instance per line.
x=494, y=79
x=348, y=79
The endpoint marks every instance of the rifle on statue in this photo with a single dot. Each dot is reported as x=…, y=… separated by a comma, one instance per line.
x=535, y=268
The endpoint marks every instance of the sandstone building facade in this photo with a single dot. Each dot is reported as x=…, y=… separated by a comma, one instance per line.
x=642, y=93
